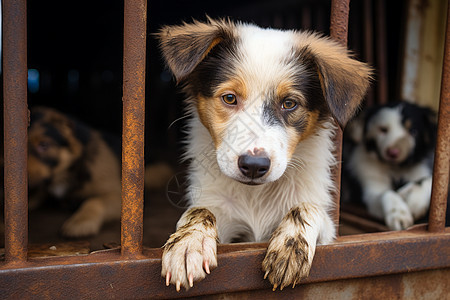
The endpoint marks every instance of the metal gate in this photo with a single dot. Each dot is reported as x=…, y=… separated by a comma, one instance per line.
x=134, y=272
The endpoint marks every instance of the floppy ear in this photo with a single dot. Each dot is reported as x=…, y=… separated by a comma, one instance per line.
x=344, y=80
x=185, y=46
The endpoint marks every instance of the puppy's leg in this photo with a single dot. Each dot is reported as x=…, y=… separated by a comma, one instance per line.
x=88, y=219
x=293, y=244
x=396, y=212
x=190, y=252
x=417, y=196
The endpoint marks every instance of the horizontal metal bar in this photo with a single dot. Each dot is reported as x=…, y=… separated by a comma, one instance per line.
x=106, y=275
x=15, y=129
x=441, y=170
x=135, y=33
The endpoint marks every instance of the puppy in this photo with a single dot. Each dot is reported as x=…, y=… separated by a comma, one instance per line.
x=260, y=143
x=77, y=165
x=393, y=162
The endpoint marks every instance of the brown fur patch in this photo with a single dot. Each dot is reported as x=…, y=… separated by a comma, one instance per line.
x=214, y=114
x=295, y=137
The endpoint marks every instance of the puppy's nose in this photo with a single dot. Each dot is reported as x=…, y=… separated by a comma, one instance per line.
x=253, y=166
x=393, y=152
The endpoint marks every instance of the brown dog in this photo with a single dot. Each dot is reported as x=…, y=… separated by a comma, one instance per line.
x=69, y=161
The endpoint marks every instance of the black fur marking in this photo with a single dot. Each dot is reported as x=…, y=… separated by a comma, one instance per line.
x=423, y=130
x=295, y=215
x=271, y=115
x=309, y=83
x=398, y=183
x=82, y=132
x=55, y=135
x=36, y=116
x=291, y=243
x=114, y=143
x=216, y=68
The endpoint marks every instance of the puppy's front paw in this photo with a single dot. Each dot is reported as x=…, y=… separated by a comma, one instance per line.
x=80, y=225
x=288, y=260
x=189, y=254
x=399, y=218
x=397, y=213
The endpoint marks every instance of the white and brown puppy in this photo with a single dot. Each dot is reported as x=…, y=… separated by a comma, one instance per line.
x=260, y=143
x=393, y=162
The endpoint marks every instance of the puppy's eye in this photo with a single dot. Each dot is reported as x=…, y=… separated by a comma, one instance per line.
x=43, y=146
x=229, y=99
x=383, y=129
x=413, y=131
x=288, y=104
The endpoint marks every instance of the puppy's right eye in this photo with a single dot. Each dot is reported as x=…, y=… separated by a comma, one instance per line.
x=229, y=99
x=383, y=129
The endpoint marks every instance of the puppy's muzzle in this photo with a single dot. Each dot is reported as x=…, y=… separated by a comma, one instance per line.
x=253, y=166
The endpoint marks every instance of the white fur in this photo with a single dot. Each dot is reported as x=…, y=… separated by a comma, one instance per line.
x=259, y=209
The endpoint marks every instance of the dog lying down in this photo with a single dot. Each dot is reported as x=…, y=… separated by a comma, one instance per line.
x=393, y=160
x=80, y=167
x=260, y=143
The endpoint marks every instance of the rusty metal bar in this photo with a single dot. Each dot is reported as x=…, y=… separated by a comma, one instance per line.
x=106, y=275
x=15, y=129
x=134, y=53
x=338, y=31
x=381, y=52
x=442, y=155
x=368, y=41
x=339, y=20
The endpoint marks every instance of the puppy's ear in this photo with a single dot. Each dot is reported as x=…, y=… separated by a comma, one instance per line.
x=185, y=46
x=344, y=80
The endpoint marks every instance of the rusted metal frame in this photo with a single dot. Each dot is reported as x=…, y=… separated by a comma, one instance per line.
x=338, y=31
x=134, y=54
x=442, y=156
x=107, y=275
x=15, y=129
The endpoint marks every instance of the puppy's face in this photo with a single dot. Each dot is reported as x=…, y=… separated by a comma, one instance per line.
x=400, y=133
x=261, y=92
x=52, y=147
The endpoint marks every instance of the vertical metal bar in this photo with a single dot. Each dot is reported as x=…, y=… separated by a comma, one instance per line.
x=338, y=31
x=15, y=129
x=135, y=32
x=442, y=157
x=368, y=41
x=339, y=20
x=381, y=51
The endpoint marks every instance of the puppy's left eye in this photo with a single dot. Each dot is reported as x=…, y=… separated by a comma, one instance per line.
x=288, y=104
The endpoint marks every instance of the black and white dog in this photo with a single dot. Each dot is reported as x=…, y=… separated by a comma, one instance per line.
x=260, y=142
x=393, y=162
